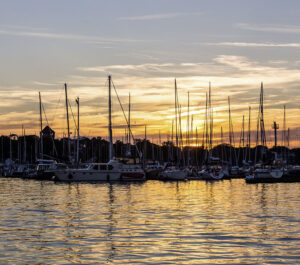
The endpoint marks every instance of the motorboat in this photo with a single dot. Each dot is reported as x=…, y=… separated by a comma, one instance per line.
x=111, y=171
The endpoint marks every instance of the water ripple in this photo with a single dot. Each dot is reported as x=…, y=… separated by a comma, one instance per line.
x=154, y=222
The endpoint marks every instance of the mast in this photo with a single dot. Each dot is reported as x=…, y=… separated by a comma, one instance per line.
x=68, y=124
x=129, y=138
x=210, y=118
x=191, y=140
x=109, y=120
x=19, y=151
x=180, y=135
x=78, y=135
x=206, y=122
x=229, y=126
x=2, y=149
x=243, y=137
x=35, y=147
x=249, y=133
x=205, y=131
x=160, y=153
x=188, y=131
x=41, y=129
x=243, y=131
x=222, y=147
x=284, y=127
x=152, y=149
x=262, y=124
x=172, y=141
x=145, y=146
x=196, y=155
x=10, y=147
x=231, y=136
x=25, y=145
x=176, y=123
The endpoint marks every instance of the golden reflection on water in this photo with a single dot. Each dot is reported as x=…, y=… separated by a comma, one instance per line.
x=192, y=222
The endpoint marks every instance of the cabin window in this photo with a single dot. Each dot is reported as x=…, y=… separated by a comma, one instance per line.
x=102, y=167
x=110, y=167
x=95, y=167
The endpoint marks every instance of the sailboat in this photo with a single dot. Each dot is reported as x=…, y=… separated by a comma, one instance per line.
x=113, y=170
x=212, y=170
x=261, y=173
x=175, y=172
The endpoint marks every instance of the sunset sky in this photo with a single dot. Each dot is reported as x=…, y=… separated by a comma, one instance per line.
x=145, y=45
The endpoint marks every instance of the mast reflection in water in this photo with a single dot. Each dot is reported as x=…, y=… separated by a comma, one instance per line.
x=154, y=222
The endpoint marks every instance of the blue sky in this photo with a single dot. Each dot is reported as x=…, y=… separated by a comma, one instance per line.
x=145, y=45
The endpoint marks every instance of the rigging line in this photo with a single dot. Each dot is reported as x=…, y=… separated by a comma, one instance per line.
x=45, y=114
x=72, y=115
x=56, y=108
x=140, y=155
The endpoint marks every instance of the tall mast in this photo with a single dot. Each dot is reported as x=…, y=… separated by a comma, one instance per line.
x=160, y=154
x=249, y=133
x=206, y=122
x=109, y=120
x=284, y=127
x=172, y=141
x=188, y=131
x=25, y=146
x=243, y=137
x=222, y=147
x=2, y=149
x=249, y=128
x=210, y=118
x=68, y=124
x=181, y=138
x=229, y=126
x=229, y=119
x=231, y=134
x=196, y=155
x=129, y=109
x=78, y=135
x=145, y=146
x=176, y=122
x=41, y=129
x=10, y=147
x=262, y=124
x=243, y=131
x=192, y=132
x=188, y=121
x=221, y=135
x=190, y=140
x=129, y=138
x=172, y=135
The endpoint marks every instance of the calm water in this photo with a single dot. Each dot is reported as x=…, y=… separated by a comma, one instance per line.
x=154, y=222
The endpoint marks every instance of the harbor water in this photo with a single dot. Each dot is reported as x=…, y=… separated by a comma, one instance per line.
x=154, y=222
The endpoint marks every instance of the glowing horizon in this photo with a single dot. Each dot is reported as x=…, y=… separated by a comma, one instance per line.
x=162, y=123
x=145, y=47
